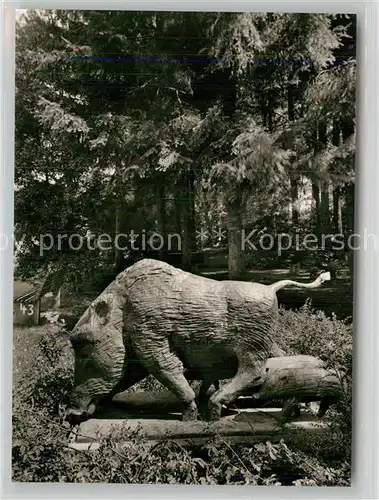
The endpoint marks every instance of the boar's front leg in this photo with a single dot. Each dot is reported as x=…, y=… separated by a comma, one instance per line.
x=154, y=352
x=133, y=373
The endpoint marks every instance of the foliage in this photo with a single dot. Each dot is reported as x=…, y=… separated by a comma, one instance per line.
x=229, y=102
x=46, y=380
x=311, y=332
x=40, y=454
x=306, y=331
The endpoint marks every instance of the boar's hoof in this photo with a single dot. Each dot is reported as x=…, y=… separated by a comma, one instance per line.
x=290, y=407
x=297, y=410
x=76, y=417
x=203, y=409
x=189, y=412
x=324, y=406
x=214, y=411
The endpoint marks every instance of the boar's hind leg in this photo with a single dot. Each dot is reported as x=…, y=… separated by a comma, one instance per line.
x=168, y=369
x=325, y=402
x=205, y=392
x=206, y=388
x=247, y=375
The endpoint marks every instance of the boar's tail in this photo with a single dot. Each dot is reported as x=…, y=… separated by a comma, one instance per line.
x=281, y=284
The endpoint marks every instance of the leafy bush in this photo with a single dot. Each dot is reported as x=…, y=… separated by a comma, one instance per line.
x=306, y=331
x=40, y=435
x=41, y=454
x=311, y=332
x=47, y=382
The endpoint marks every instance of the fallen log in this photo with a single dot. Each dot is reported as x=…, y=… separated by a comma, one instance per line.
x=251, y=426
x=296, y=378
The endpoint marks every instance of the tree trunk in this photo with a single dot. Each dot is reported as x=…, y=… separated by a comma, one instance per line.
x=336, y=133
x=244, y=427
x=235, y=255
x=350, y=195
x=189, y=235
x=347, y=129
x=290, y=103
x=350, y=203
x=337, y=210
x=316, y=198
x=337, y=206
x=325, y=207
x=178, y=205
x=294, y=199
x=118, y=253
x=325, y=197
x=264, y=110
x=162, y=218
x=294, y=179
x=299, y=376
x=270, y=121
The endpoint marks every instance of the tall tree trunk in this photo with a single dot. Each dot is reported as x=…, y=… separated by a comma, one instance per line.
x=325, y=207
x=291, y=103
x=347, y=129
x=162, y=217
x=270, y=121
x=264, y=110
x=235, y=255
x=350, y=204
x=325, y=195
x=189, y=235
x=118, y=253
x=316, y=198
x=316, y=188
x=178, y=205
x=337, y=210
x=294, y=179
x=295, y=199
x=337, y=206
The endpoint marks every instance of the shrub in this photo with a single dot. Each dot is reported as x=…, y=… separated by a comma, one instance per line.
x=311, y=332
x=41, y=454
x=47, y=383
x=306, y=331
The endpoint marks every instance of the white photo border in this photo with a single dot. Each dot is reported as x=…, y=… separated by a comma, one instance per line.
x=366, y=301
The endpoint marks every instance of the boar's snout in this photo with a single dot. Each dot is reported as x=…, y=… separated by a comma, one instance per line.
x=76, y=417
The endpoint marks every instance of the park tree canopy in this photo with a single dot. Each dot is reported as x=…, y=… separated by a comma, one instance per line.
x=176, y=122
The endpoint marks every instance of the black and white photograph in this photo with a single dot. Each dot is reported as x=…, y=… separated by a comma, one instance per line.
x=184, y=242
